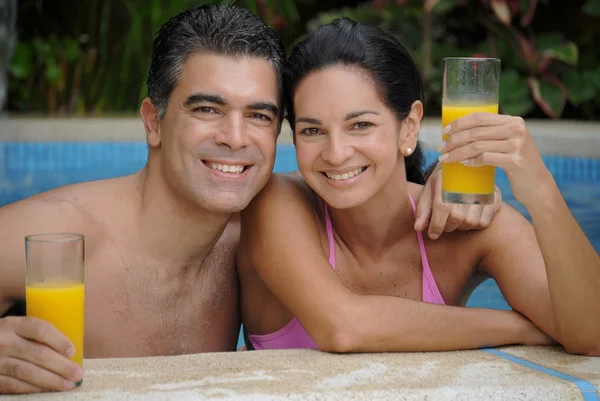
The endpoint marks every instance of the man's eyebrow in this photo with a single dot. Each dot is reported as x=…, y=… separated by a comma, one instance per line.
x=268, y=106
x=308, y=120
x=355, y=114
x=204, y=98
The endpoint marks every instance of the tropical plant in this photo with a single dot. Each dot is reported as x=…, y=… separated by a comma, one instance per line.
x=96, y=62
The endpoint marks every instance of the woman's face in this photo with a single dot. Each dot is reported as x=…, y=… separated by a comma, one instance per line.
x=348, y=142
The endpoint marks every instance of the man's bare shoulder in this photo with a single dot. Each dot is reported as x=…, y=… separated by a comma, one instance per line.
x=74, y=201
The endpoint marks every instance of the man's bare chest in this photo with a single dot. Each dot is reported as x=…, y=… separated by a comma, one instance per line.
x=136, y=307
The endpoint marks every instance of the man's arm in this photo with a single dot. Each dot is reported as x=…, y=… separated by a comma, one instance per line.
x=34, y=355
x=41, y=213
x=281, y=241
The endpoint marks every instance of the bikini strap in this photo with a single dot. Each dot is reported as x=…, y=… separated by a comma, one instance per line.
x=329, y=229
x=428, y=279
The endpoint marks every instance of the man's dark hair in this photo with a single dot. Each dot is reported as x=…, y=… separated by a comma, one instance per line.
x=219, y=29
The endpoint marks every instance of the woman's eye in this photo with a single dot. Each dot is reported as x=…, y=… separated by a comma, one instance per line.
x=362, y=125
x=310, y=131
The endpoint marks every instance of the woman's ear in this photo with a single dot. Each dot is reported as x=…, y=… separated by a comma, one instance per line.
x=409, y=131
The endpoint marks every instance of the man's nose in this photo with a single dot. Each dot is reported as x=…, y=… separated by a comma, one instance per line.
x=232, y=133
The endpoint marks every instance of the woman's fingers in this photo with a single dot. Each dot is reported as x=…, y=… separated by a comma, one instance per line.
x=474, y=149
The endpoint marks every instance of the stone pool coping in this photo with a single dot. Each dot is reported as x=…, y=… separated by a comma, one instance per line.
x=313, y=375
x=560, y=137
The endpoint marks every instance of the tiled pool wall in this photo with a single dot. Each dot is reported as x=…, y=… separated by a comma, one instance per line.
x=38, y=166
x=30, y=167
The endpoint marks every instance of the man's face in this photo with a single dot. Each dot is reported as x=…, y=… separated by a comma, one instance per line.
x=219, y=134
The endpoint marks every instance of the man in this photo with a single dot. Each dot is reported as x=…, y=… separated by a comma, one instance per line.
x=160, y=244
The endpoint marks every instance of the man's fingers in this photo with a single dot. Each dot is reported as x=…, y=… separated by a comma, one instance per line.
x=439, y=215
x=43, y=332
x=47, y=359
x=472, y=219
x=487, y=215
x=423, y=211
x=10, y=385
x=456, y=218
x=33, y=375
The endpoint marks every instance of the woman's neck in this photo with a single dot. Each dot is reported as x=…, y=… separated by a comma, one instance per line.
x=379, y=223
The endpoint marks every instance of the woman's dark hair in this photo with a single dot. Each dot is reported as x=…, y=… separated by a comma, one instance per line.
x=372, y=49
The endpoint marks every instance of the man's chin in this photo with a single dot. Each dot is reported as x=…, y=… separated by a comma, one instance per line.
x=227, y=205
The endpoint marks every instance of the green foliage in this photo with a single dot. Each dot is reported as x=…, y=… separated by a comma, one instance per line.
x=95, y=59
x=98, y=62
x=541, y=71
x=592, y=7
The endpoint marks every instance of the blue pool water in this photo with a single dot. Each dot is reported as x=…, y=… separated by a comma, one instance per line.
x=27, y=168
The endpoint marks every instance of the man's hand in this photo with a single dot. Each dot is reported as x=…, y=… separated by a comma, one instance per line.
x=442, y=217
x=34, y=357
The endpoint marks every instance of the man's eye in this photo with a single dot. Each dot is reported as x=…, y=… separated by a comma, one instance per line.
x=204, y=109
x=262, y=117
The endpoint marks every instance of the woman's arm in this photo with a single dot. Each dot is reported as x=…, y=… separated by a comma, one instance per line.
x=281, y=240
x=573, y=269
x=554, y=253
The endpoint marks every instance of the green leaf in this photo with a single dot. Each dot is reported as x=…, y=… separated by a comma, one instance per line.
x=71, y=49
x=579, y=87
x=289, y=10
x=592, y=7
x=593, y=77
x=549, y=95
x=251, y=5
x=53, y=73
x=567, y=52
x=22, y=64
x=514, y=94
x=444, y=6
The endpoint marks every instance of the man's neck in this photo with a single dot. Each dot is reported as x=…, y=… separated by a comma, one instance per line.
x=171, y=228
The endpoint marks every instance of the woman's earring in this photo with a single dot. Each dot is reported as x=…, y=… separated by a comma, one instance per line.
x=408, y=151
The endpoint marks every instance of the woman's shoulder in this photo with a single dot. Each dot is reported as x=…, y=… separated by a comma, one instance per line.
x=283, y=191
x=289, y=186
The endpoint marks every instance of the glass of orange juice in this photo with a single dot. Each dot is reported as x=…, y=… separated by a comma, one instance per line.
x=55, y=290
x=470, y=85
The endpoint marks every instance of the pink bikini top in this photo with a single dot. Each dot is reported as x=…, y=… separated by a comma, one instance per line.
x=293, y=335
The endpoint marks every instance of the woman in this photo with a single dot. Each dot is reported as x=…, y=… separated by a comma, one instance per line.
x=330, y=259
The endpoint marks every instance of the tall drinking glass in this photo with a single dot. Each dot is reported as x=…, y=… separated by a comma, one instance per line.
x=55, y=289
x=470, y=85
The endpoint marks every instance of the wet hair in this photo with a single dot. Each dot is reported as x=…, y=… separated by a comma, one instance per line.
x=371, y=49
x=218, y=29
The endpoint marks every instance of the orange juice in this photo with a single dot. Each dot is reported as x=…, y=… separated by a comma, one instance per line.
x=61, y=304
x=457, y=178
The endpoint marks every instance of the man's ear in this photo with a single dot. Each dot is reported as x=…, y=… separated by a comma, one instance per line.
x=149, y=114
x=410, y=129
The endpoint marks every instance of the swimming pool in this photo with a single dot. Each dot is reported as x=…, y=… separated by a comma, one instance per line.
x=27, y=168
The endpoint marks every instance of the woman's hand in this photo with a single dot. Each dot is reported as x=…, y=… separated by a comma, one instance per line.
x=530, y=334
x=486, y=139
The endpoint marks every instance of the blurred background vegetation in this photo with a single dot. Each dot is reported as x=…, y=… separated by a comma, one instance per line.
x=90, y=57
